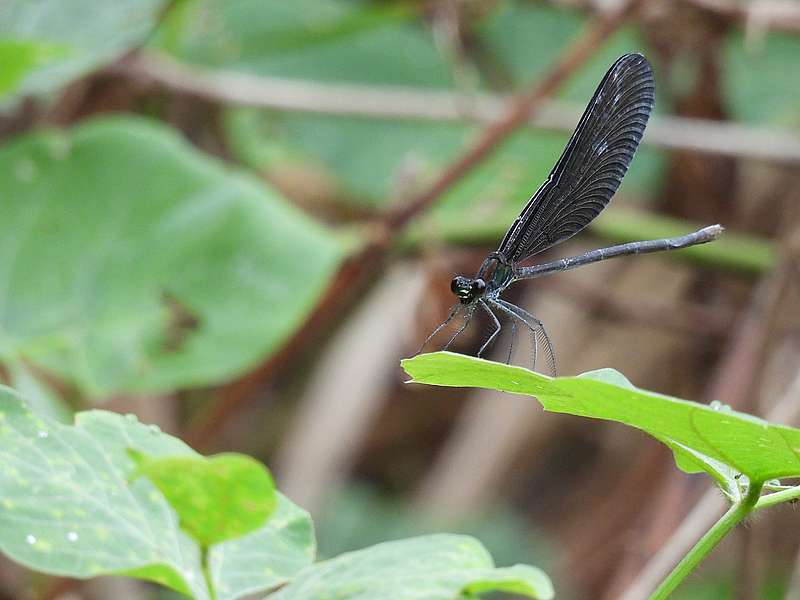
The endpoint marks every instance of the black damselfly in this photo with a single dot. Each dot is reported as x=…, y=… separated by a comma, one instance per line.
x=580, y=185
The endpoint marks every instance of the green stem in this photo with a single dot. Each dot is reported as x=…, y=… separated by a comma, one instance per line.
x=207, y=573
x=778, y=497
x=708, y=542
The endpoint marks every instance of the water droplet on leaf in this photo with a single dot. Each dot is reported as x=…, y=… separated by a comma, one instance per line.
x=72, y=536
x=30, y=538
x=43, y=434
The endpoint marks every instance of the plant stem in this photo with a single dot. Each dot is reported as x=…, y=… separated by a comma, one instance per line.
x=778, y=497
x=207, y=573
x=708, y=542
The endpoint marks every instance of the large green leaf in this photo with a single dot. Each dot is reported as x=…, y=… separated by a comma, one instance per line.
x=137, y=263
x=749, y=445
x=44, y=44
x=435, y=567
x=324, y=40
x=71, y=506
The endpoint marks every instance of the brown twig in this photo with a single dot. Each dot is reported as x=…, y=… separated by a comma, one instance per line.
x=353, y=274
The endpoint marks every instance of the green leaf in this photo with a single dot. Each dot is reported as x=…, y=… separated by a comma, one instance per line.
x=505, y=533
x=756, y=78
x=528, y=38
x=266, y=558
x=42, y=400
x=156, y=267
x=43, y=45
x=217, y=498
x=361, y=157
x=20, y=57
x=69, y=506
x=434, y=567
x=322, y=40
x=746, y=444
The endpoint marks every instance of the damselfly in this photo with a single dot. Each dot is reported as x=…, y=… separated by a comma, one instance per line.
x=580, y=185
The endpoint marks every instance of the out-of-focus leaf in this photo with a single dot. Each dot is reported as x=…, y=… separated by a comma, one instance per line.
x=760, y=79
x=435, y=567
x=45, y=44
x=217, y=498
x=136, y=263
x=20, y=57
x=42, y=400
x=747, y=444
x=341, y=527
x=70, y=506
x=321, y=40
x=528, y=37
x=363, y=158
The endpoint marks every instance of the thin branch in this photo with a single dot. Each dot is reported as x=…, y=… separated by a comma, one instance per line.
x=390, y=102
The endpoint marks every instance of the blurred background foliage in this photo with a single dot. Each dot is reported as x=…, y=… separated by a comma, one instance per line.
x=191, y=193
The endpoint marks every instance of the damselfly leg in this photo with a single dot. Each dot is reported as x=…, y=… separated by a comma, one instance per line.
x=536, y=328
x=513, y=341
x=496, y=324
x=442, y=325
x=467, y=318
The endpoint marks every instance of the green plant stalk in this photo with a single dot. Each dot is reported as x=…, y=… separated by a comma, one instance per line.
x=778, y=498
x=207, y=573
x=735, y=514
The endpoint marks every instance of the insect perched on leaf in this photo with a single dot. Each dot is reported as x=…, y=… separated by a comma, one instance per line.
x=580, y=185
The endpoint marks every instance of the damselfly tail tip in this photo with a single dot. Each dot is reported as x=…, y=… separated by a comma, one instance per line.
x=714, y=231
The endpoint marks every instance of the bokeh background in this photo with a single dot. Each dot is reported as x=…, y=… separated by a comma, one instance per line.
x=229, y=218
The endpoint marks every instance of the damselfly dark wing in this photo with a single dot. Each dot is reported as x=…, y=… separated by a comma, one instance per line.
x=592, y=165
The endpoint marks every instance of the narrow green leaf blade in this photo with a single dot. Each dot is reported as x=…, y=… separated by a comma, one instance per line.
x=747, y=444
x=217, y=498
x=434, y=567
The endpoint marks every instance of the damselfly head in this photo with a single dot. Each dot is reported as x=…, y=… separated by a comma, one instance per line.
x=467, y=289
